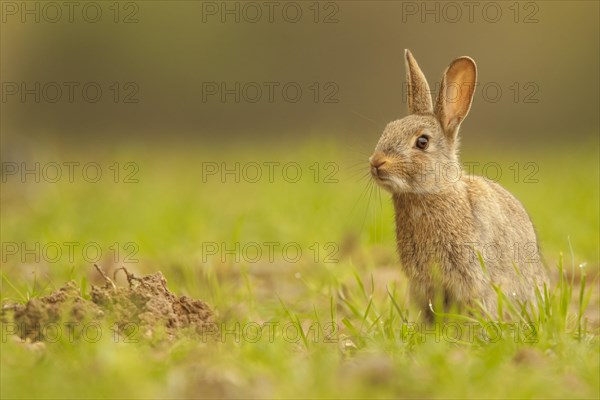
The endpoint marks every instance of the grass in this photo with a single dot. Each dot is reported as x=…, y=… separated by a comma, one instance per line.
x=335, y=322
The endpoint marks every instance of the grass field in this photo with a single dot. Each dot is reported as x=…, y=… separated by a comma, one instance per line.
x=325, y=289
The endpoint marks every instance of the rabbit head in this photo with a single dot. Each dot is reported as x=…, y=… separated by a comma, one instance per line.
x=413, y=150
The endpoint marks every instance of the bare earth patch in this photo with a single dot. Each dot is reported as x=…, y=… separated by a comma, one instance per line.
x=145, y=306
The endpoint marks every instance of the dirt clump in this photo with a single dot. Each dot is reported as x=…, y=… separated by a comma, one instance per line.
x=145, y=307
x=39, y=318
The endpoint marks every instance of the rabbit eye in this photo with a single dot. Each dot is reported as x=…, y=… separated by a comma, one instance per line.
x=422, y=142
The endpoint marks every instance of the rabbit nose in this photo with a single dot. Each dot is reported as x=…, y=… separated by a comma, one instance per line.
x=377, y=160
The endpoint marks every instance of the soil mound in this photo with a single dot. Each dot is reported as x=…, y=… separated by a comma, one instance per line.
x=146, y=307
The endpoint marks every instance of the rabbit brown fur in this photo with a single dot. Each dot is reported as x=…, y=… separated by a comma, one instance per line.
x=446, y=219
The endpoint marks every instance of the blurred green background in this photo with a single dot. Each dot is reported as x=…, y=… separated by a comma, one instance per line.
x=549, y=49
x=167, y=72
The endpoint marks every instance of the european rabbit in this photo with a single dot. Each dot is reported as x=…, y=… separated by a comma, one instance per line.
x=446, y=219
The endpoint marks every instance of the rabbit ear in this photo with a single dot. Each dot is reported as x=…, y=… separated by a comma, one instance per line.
x=419, y=96
x=456, y=94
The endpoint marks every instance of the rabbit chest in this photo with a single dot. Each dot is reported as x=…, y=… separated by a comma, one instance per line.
x=434, y=230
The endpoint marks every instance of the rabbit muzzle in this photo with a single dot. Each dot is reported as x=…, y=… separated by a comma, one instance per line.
x=378, y=162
